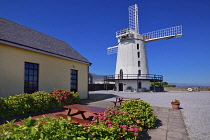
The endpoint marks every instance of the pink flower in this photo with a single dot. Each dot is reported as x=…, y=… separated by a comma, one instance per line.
x=136, y=129
x=124, y=126
x=138, y=121
x=85, y=127
x=109, y=121
x=136, y=134
x=104, y=118
x=120, y=133
x=106, y=111
x=95, y=117
x=109, y=125
x=131, y=129
x=101, y=117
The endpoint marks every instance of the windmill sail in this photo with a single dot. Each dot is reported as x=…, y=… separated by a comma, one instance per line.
x=133, y=18
x=112, y=50
x=167, y=33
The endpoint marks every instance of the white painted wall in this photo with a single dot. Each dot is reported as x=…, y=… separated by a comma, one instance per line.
x=127, y=58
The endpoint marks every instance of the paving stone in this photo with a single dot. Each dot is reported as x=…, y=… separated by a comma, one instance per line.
x=176, y=135
x=159, y=131
x=176, y=125
x=157, y=137
x=175, y=120
x=177, y=129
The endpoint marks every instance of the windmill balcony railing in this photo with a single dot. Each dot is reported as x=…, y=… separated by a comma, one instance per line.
x=123, y=32
x=151, y=77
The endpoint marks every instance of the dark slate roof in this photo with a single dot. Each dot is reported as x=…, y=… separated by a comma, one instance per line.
x=24, y=37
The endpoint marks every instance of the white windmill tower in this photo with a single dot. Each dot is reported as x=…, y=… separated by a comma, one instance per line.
x=131, y=67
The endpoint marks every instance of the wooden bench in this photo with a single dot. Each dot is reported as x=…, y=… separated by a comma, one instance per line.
x=121, y=100
x=81, y=109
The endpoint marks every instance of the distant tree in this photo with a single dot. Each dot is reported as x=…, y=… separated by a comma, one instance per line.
x=156, y=84
x=164, y=84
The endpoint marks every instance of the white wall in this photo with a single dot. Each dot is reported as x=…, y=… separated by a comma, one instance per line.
x=133, y=84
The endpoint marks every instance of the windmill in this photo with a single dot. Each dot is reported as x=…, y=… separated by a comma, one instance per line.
x=132, y=71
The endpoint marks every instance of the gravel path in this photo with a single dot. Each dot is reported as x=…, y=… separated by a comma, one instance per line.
x=196, y=108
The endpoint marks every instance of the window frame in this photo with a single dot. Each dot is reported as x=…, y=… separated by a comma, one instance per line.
x=31, y=77
x=138, y=54
x=74, y=80
x=139, y=64
x=137, y=46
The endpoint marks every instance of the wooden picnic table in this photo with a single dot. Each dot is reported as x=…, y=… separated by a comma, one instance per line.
x=121, y=99
x=82, y=109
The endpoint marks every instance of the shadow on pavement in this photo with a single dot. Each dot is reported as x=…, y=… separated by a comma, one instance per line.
x=97, y=97
x=145, y=135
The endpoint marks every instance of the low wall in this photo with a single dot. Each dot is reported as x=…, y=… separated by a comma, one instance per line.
x=185, y=88
x=95, y=87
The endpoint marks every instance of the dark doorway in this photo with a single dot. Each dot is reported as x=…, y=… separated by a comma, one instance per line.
x=139, y=85
x=120, y=86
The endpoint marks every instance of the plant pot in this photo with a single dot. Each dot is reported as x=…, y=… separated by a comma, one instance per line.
x=175, y=106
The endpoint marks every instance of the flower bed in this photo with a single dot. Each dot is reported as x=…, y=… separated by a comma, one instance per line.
x=39, y=101
x=112, y=124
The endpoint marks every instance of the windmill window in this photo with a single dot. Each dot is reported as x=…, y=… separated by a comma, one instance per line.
x=138, y=63
x=138, y=53
x=137, y=46
x=139, y=72
x=121, y=74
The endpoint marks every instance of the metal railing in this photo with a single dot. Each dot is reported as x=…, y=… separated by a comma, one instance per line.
x=151, y=77
x=124, y=31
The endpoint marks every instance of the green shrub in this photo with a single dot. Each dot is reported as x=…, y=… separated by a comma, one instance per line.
x=17, y=105
x=47, y=128
x=42, y=101
x=141, y=110
x=39, y=101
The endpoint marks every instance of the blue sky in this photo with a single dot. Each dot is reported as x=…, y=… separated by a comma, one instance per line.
x=89, y=26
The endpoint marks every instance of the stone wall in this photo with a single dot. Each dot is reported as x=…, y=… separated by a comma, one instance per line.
x=186, y=88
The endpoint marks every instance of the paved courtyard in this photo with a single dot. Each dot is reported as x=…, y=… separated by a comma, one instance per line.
x=195, y=107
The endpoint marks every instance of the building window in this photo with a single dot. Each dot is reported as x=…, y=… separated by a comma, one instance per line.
x=138, y=63
x=139, y=72
x=74, y=80
x=137, y=46
x=31, y=77
x=138, y=53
